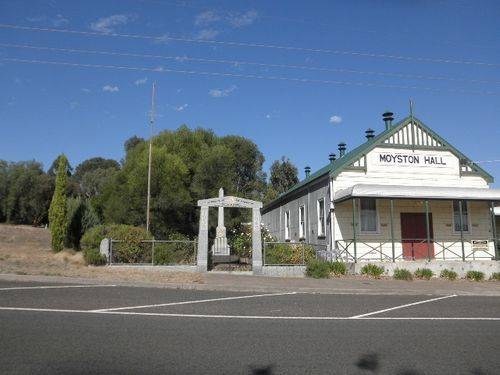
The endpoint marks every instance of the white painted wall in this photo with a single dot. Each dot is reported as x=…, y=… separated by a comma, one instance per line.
x=448, y=245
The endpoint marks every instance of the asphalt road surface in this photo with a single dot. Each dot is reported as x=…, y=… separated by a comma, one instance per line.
x=84, y=329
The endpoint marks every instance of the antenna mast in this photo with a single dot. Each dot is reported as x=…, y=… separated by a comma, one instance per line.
x=151, y=122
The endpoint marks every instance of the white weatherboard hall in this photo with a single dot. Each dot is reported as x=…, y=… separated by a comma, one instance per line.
x=404, y=194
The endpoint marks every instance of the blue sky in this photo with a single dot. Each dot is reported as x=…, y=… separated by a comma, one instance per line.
x=353, y=60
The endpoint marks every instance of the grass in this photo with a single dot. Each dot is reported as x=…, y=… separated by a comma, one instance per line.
x=94, y=257
x=475, y=275
x=319, y=269
x=338, y=268
x=448, y=274
x=495, y=276
x=372, y=270
x=402, y=274
x=424, y=273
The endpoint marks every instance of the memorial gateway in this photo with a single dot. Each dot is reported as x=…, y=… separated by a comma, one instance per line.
x=404, y=194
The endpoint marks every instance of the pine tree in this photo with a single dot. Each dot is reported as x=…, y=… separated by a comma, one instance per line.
x=57, y=211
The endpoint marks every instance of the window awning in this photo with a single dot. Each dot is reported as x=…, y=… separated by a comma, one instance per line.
x=417, y=192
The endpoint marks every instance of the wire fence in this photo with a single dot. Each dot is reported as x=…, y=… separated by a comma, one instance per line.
x=410, y=249
x=153, y=252
x=291, y=253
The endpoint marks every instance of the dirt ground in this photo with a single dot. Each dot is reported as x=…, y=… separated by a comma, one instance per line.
x=25, y=250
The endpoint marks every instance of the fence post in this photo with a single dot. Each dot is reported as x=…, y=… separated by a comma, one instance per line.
x=494, y=231
x=461, y=223
x=264, y=253
x=428, y=231
x=392, y=231
x=110, y=251
x=354, y=228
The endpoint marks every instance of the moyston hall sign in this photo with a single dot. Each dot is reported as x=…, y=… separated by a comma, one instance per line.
x=392, y=158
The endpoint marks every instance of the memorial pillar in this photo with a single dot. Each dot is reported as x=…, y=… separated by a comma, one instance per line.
x=256, y=241
x=202, y=257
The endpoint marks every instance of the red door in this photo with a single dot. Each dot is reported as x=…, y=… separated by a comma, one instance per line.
x=414, y=236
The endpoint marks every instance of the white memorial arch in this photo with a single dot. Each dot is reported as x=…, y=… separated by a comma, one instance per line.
x=221, y=242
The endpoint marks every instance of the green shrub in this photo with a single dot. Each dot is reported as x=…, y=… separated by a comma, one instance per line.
x=424, y=273
x=402, y=274
x=131, y=250
x=289, y=253
x=81, y=217
x=372, y=270
x=338, y=268
x=448, y=274
x=318, y=269
x=475, y=275
x=57, y=211
x=180, y=252
x=495, y=276
x=94, y=257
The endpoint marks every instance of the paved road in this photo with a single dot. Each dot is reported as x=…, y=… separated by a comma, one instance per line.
x=149, y=330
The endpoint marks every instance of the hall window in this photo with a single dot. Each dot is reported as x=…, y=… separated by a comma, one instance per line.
x=302, y=222
x=287, y=225
x=368, y=215
x=456, y=216
x=321, y=217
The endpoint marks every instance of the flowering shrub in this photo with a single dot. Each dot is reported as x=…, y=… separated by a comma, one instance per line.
x=240, y=238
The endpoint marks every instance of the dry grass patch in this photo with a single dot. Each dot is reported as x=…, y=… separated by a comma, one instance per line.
x=25, y=250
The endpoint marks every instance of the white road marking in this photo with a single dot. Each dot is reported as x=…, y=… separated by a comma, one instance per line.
x=401, y=306
x=192, y=302
x=55, y=287
x=262, y=317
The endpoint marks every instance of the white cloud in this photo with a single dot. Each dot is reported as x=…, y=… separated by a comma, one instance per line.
x=85, y=90
x=73, y=105
x=164, y=39
x=243, y=19
x=181, y=108
x=108, y=24
x=272, y=114
x=220, y=93
x=110, y=88
x=207, y=34
x=335, y=119
x=141, y=81
x=59, y=20
x=36, y=19
x=206, y=18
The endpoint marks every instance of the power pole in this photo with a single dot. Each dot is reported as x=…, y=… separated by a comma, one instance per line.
x=151, y=122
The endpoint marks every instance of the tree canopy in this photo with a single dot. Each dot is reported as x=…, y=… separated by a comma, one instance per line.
x=283, y=175
x=187, y=165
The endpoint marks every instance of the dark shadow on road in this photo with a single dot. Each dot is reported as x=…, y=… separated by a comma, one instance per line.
x=369, y=362
x=268, y=370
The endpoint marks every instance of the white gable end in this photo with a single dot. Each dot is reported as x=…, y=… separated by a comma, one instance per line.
x=404, y=166
x=413, y=135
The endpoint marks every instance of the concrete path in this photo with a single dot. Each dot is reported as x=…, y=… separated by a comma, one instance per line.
x=235, y=282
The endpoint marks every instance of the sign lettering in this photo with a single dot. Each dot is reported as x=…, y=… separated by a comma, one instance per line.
x=393, y=158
